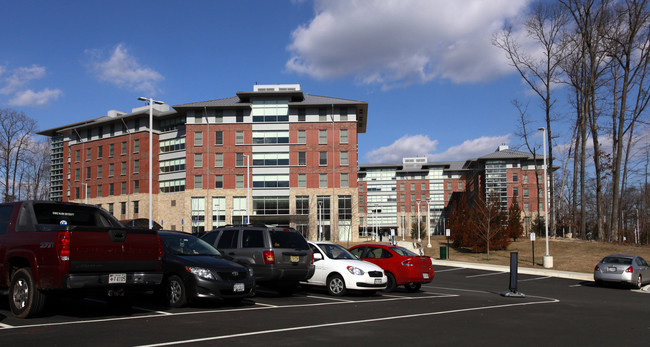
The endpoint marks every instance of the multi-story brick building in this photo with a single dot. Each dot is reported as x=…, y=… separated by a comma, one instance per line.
x=390, y=195
x=274, y=155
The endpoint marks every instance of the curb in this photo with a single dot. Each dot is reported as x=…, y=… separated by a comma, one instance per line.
x=522, y=270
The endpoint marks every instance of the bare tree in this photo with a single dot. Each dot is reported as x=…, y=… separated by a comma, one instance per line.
x=544, y=25
x=489, y=222
x=16, y=130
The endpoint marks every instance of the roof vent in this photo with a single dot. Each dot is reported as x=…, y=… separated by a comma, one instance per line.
x=115, y=113
x=502, y=147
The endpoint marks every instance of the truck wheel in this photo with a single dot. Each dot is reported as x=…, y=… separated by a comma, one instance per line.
x=25, y=300
x=175, y=289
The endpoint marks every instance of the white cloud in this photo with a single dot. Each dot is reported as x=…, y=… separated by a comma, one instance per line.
x=19, y=77
x=32, y=98
x=393, y=43
x=422, y=145
x=124, y=71
x=407, y=146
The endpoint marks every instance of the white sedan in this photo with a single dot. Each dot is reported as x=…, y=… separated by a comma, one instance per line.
x=338, y=270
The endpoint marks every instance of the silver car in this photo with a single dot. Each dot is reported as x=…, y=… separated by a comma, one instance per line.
x=622, y=268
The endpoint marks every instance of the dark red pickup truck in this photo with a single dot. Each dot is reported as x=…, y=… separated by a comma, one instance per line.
x=48, y=246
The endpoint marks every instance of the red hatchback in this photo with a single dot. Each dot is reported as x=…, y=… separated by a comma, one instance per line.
x=402, y=266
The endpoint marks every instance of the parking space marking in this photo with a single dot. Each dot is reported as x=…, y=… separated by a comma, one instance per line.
x=454, y=269
x=347, y=323
x=257, y=306
x=535, y=279
x=327, y=298
x=488, y=274
x=5, y=326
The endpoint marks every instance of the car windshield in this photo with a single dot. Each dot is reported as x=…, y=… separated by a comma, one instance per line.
x=187, y=245
x=403, y=252
x=336, y=252
x=617, y=260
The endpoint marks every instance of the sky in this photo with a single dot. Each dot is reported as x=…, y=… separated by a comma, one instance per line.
x=434, y=83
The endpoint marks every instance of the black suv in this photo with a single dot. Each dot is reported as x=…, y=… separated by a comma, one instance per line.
x=279, y=257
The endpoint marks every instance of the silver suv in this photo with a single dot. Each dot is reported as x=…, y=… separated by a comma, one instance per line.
x=279, y=257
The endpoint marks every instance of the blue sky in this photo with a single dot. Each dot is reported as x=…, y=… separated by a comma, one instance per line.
x=434, y=83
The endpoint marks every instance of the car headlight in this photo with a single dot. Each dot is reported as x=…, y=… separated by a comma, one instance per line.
x=201, y=272
x=250, y=271
x=355, y=270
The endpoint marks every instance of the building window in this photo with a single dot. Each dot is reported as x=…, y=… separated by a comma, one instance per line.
x=76, y=193
x=136, y=146
x=345, y=183
x=123, y=168
x=99, y=191
x=218, y=160
x=322, y=158
x=345, y=207
x=302, y=158
x=99, y=171
x=110, y=208
x=111, y=150
x=111, y=169
x=198, y=159
x=526, y=207
x=450, y=186
x=172, y=186
x=198, y=182
x=515, y=192
x=302, y=180
x=270, y=181
x=322, y=136
x=218, y=211
x=401, y=186
x=271, y=205
x=136, y=187
x=515, y=177
x=136, y=166
x=270, y=136
x=239, y=181
x=123, y=148
x=88, y=173
x=302, y=205
x=111, y=129
x=301, y=114
x=344, y=158
x=240, y=116
x=174, y=165
x=89, y=153
x=302, y=136
x=322, y=181
x=525, y=193
x=460, y=185
x=343, y=136
x=122, y=207
x=271, y=159
x=239, y=137
x=123, y=188
x=136, y=207
x=218, y=138
x=198, y=138
x=525, y=179
x=111, y=189
x=412, y=186
x=239, y=159
x=218, y=181
x=172, y=145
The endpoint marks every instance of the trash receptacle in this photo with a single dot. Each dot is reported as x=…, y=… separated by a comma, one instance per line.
x=443, y=252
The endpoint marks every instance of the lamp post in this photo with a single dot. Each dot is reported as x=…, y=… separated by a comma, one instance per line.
x=248, y=187
x=547, y=260
x=428, y=222
x=151, y=102
x=320, y=218
x=376, y=231
x=418, y=202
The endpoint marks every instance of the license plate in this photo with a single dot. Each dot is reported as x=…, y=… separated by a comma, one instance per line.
x=117, y=278
x=425, y=276
x=611, y=269
x=377, y=281
x=295, y=258
x=238, y=287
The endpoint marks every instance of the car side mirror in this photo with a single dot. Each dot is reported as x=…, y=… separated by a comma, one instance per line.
x=318, y=256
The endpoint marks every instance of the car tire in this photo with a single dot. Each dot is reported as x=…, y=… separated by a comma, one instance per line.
x=336, y=285
x=175, y=292
x=639, y=282
x=25, y=300
x=390, y=283
x=413, y=287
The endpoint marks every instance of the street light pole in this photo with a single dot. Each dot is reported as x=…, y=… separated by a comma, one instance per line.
x=548, y=260
x=418, y=202
x=151, y=102
x=428, y=222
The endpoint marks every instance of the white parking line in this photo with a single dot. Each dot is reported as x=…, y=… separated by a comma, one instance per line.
x=535, y=279
x=454, y=269
x=347, y=323
x=490, y=274
x=6, y=326
x=265, y=305
x=328, y=298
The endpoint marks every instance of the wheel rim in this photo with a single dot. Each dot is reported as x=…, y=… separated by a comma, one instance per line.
x=639, y=282
x=175, y=291
x=21, y=294
x=336, y=285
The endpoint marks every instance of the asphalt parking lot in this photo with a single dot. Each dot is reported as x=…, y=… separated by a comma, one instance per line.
x=461, y=306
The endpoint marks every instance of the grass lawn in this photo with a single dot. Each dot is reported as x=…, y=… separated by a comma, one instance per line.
x=568, y=254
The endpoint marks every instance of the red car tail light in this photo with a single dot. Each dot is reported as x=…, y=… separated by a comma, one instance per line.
x=63, y=245
x=408, y=262
x=596, y=268
x=629, y=269
x=269, y=257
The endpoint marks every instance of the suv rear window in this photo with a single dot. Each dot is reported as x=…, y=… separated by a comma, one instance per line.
x=287, y=239
x=71, y=215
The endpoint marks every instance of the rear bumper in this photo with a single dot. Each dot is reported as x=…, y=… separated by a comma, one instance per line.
x=625, y=277
x=76, y=281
